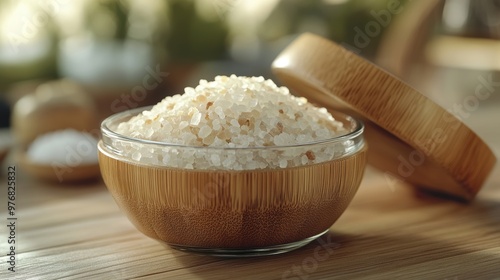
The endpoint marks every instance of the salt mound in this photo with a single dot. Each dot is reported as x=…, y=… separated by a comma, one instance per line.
x=234, y=112
x=229, y=112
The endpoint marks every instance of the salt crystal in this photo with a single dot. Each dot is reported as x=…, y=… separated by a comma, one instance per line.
x=303, y=159
x=136, y=134
x=166, y=159
x=204, y=131
x=220, y=112
x=195, y=120
x=209, y=140
x=212, y=115
x=167, y=128
x=136, y=156
x=156, y=126
x=254, y=102
x=234, y=123
x=215, y=160
x=218, y=142
x=322, y=133
x=260, y=79
x=183, y=125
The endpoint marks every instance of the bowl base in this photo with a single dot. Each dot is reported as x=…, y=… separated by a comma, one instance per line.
x=247, y=252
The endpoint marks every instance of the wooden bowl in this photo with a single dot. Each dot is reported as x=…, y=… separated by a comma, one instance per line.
x=232, y=213
x=56, y=172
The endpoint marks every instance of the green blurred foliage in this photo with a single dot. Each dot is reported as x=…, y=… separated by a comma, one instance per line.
x=339, y=20
x=185, y=36
x=192, y=38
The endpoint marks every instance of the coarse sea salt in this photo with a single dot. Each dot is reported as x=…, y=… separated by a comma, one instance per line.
x=64, y=147
x=243, y=123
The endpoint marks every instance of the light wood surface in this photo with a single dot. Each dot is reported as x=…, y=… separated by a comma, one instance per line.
x=78, y=232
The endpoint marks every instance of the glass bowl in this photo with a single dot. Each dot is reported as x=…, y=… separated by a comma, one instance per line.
x=196, y=206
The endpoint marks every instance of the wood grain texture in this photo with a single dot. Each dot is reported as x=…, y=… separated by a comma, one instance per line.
x=233, y=209
x=412, y=138
x=387, y=232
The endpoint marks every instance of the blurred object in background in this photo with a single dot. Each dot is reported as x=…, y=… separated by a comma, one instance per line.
x=401, y=48
x=3, y=154
x=63, y=156
x=108, y=43
x=55, y=105
x=19, y=89
x=259, y=30
x=109, y=47
x=254, y=22
x=51, y=129
x=196, y=32
x=450, y=50
x=468, y=52
x=477, y=19
x=132, y=53
x=4, y=113
x=105, y=45
x=27, y=41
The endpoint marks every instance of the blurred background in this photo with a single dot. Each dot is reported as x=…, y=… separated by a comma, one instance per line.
x=122, y=54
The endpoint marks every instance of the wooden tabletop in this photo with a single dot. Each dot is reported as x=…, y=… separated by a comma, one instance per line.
x=77, y=231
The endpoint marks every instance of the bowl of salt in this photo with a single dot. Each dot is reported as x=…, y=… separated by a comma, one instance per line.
x=240, y=167
x=234, y=167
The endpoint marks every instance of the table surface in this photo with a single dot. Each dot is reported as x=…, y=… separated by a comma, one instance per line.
x=77, y=231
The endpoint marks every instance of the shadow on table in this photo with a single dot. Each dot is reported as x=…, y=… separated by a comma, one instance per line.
x=471, y=233
x=347, y=257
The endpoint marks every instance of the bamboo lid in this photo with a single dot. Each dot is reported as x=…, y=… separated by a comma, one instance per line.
x=411, y=138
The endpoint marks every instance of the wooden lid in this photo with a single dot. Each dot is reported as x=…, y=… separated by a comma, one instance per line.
x=411, y=138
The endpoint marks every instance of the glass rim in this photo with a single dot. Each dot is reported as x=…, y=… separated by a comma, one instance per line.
x=107, y=131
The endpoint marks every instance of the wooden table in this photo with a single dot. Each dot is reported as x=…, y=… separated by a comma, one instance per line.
x=386, y=233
